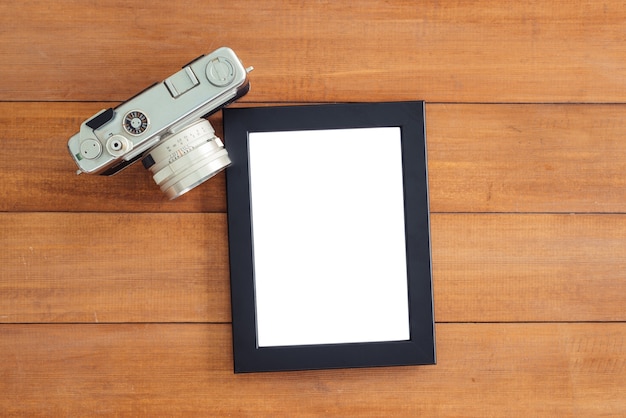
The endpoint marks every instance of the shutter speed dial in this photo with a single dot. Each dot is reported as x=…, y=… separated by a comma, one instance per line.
x=135, y=122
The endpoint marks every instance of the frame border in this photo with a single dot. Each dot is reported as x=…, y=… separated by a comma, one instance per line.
x=420, y=348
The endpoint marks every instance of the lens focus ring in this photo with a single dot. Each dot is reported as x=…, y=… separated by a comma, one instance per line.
x=188, y=158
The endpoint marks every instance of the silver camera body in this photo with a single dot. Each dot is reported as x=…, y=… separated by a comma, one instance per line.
x=164, y=126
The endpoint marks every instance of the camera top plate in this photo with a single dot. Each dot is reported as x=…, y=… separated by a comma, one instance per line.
x=116, y=137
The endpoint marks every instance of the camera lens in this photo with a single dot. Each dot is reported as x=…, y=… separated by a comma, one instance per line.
x=188, y=158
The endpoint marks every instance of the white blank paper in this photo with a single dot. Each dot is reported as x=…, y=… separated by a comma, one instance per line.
x=328, y=227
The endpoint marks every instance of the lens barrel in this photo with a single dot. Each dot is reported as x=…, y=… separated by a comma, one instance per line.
x=187, y=158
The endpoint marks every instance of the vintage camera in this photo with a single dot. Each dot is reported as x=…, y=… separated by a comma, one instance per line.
x=164, y=126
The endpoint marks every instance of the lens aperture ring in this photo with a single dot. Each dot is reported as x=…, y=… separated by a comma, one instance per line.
x=207, y=152
x=198, y=176
x=188, y=158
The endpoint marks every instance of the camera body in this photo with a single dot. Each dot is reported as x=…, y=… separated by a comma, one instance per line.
x=116, y=137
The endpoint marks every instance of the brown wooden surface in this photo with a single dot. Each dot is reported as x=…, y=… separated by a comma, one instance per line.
x=115, y=301
x=551, y=369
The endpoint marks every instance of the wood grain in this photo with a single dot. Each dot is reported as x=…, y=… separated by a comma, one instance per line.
x=114, y=268
x=115, y=301
x=526, y=158
x=451, y=51
x=529, y=268
x=563, y=370
x=87, y=267
x=481, y=158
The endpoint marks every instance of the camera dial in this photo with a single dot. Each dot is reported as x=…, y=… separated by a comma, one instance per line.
x=118, y=145
x=90, y=149
x=220, y=72
x=135, y=122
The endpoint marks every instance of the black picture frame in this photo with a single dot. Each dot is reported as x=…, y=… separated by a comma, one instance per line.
x=419, y=348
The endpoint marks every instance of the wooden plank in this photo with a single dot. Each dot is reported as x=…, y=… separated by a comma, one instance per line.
x=482, y=158
x=529, y=267
x=526, y=158
x=90, y=267
x=478, y=51
x=39, y=175
x=173, y=267
x=560, y=370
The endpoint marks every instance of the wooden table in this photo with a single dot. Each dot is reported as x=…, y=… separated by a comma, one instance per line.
x=115, y=301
